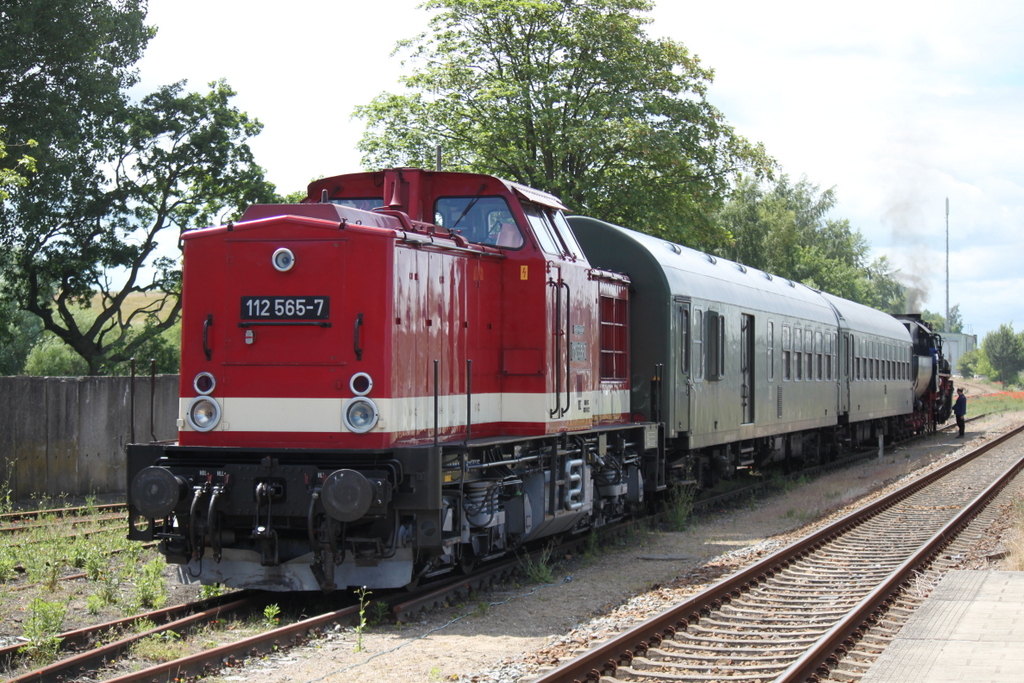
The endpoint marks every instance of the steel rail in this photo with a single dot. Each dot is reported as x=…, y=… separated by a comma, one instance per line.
x=608, y=656
x=59, y=512
x=70, y=667
x=825, y=653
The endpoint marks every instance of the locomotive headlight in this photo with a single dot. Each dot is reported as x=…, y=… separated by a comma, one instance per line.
x=360, y=384
x=203, y=413
x=204, y=383
x=360, y=415
x=283, y=259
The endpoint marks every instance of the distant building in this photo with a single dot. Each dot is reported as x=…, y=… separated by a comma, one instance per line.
x=956, y=344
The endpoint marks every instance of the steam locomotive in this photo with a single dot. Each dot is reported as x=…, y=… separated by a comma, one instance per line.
x=411, y=372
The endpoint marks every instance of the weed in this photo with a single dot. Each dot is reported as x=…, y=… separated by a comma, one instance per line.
x=159, y=647
x=362, y=593
x=94, y=604
x=95, y=563
x=150, y=591
x=539, y=570
x=593, y=546
x=90, y=505
x=44, y=622
x=207, y=591
x=7, y=563
x=679, y=508
x=45, y=566
x=272, y=615
x=378, y=612
x=6, y=490
x=109, y=588
x=794, y=483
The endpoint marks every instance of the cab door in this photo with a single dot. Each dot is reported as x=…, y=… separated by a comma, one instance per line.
x=573, y=317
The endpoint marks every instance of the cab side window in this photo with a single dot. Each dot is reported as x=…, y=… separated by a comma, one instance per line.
x=544, y=228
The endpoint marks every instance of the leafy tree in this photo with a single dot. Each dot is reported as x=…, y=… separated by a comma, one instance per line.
x=19, y=332
x=177, y=161
x=783, y=229
x=16, y=176
x=1005, y=352
x=970, y=363
x=51, y=357
x=938, y=321
x=63, y=67
x=568, y=96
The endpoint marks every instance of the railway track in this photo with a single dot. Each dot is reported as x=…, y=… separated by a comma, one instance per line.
x=188, y=616
x=794, y=615
x=182, y=618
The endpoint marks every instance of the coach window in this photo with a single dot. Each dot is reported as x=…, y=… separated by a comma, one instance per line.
x=834, y=359
x=787, y=367
x=809, y=355
x=480, y=220
x=798, y=346
x=818, y=360
x=716, y=345
x=698, y=344
x=771, y=351
x=828, y=357
x=856, y=358
x=684, y=339
x=818, y=351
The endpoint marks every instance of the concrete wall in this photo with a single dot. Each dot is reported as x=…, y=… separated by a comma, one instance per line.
x=67, y=435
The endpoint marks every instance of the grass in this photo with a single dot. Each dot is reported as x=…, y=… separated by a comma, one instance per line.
x=999, y=402
x=34, y=561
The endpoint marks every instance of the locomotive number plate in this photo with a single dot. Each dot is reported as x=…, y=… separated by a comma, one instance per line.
x=286, y=307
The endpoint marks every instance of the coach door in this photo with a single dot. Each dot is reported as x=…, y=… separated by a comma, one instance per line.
x=681, y=387
x=747, y=338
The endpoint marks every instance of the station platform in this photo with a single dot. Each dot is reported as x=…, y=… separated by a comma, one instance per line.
x=971, y=628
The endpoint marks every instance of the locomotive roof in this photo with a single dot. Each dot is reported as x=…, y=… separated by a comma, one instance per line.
x=683, y=272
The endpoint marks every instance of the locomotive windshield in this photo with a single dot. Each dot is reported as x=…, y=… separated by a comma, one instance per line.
x=362, y=203
x=481, y=220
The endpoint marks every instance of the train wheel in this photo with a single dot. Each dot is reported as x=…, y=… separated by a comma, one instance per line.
x=467, y=563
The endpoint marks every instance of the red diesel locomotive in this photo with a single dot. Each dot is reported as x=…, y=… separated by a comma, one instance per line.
x=363, y=379
x=414, y=371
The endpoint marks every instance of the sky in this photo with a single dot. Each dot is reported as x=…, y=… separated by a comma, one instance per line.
x=898, y=105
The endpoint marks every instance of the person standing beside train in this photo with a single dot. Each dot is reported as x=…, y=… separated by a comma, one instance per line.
x=959, y=410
